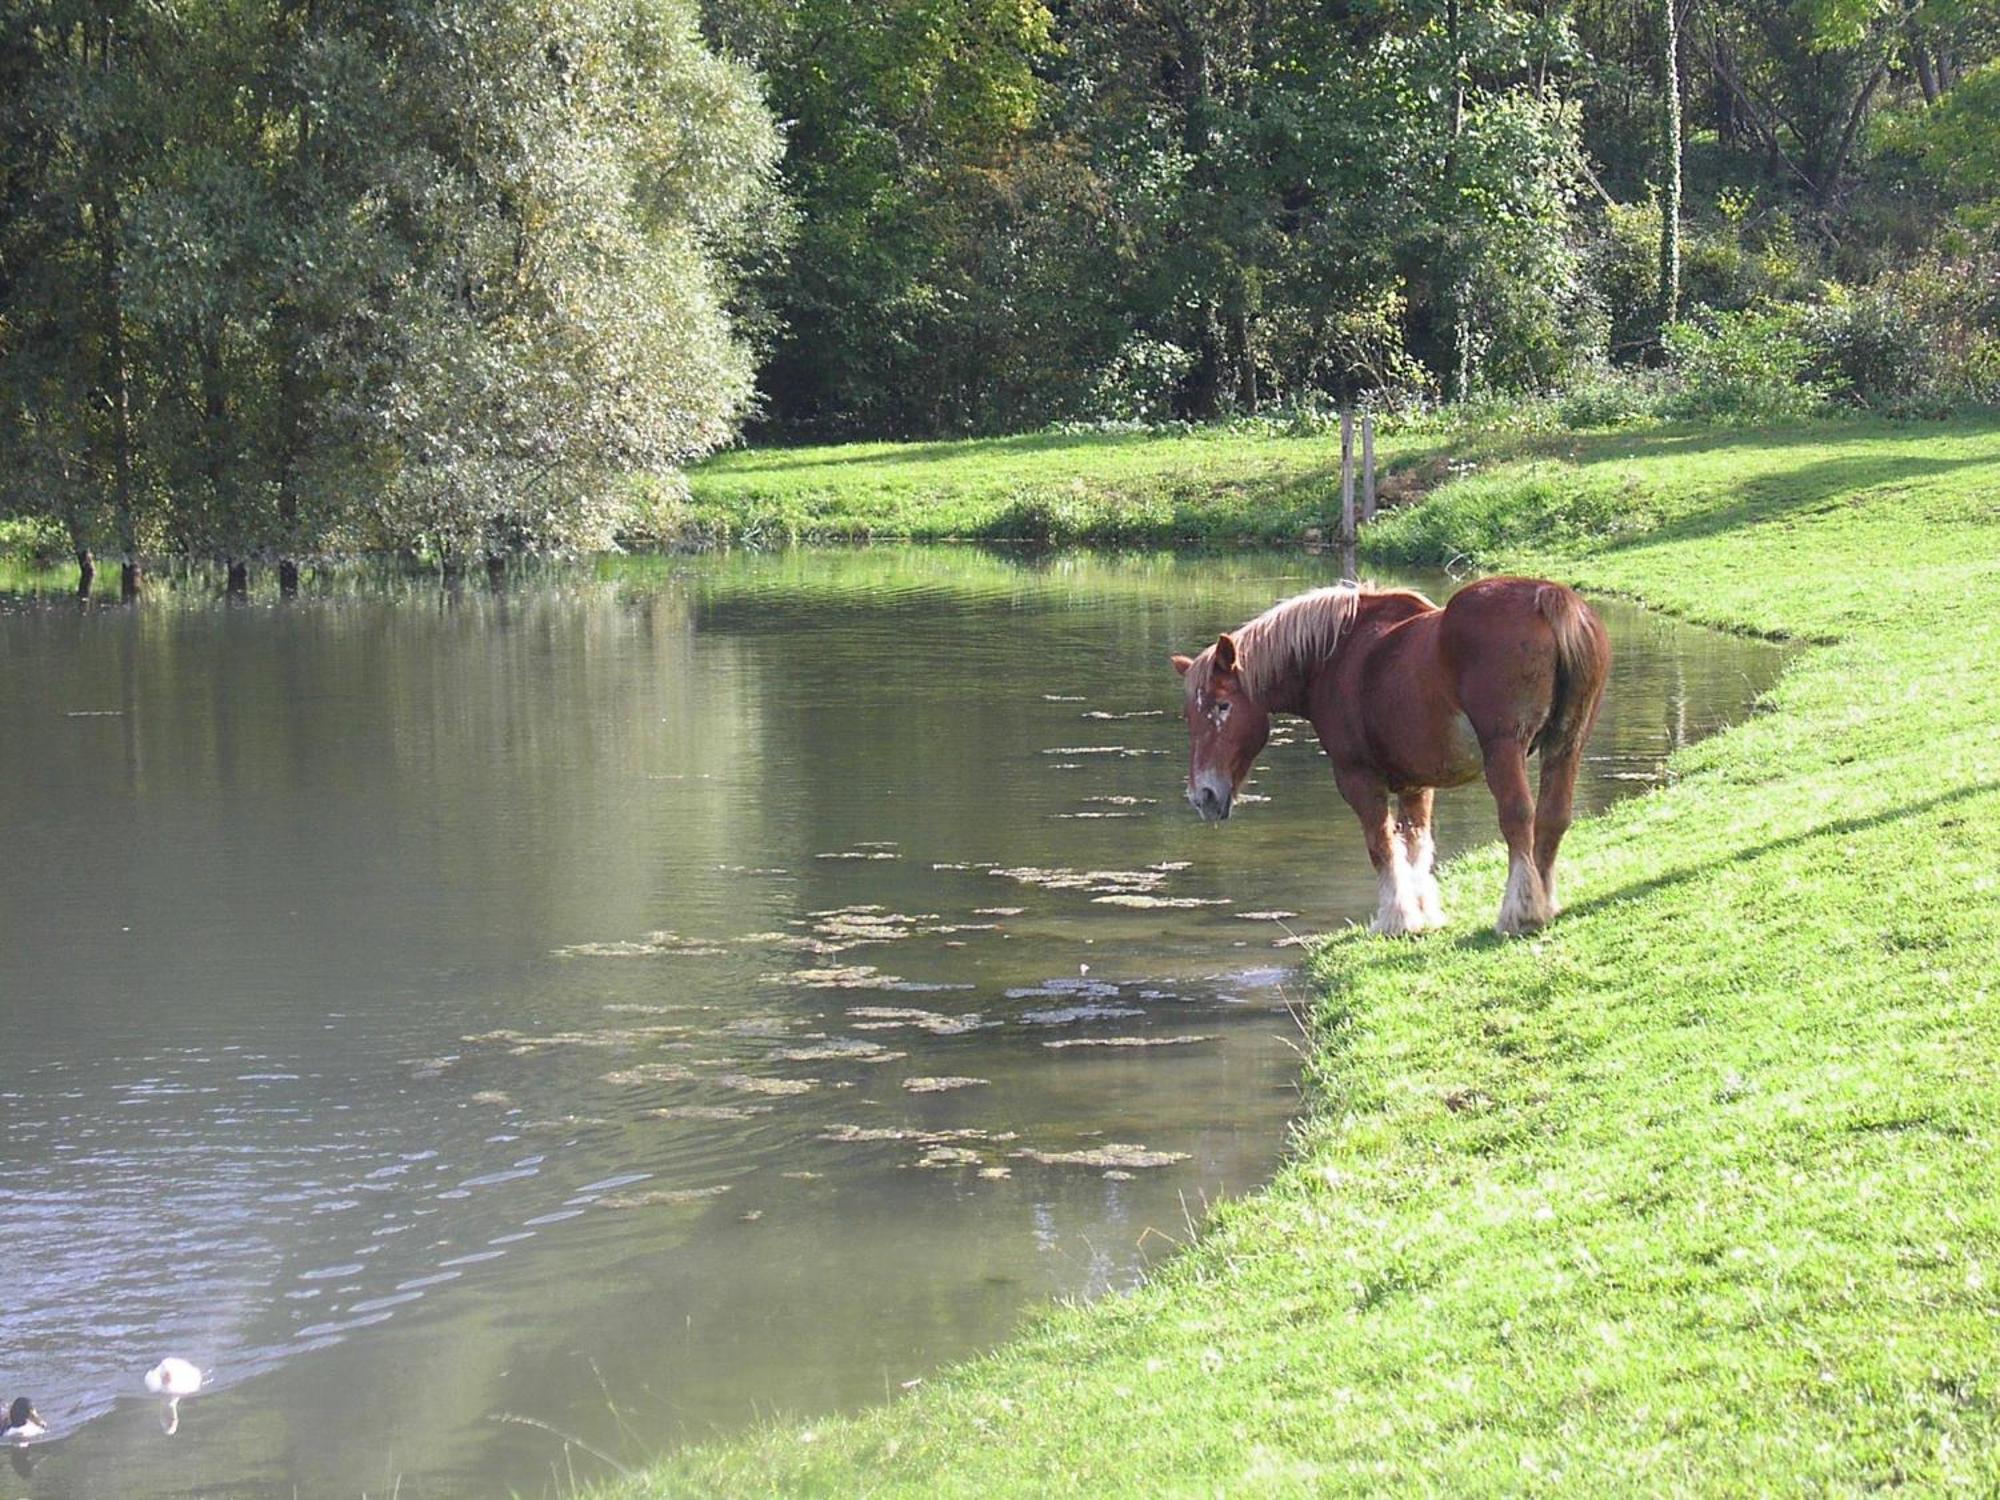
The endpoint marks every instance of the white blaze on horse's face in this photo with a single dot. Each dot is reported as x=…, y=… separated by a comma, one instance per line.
x=1226, y=728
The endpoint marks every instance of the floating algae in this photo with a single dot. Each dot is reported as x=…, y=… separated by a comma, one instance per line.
x=949, y=1156
x=845, y=1134
x=1100, y=881
x=1071, y=1015
x=839, y=977
x=1152, y=903
x=652, y=945
x=745, y=1083
x=941, y=1085
x=663, y=1197
x=1117, y=1155
x=890, y=1017
x=708, y=1112
x=769, y=1027
x=523, y=1044
x=649, y=1073
x=840, y=1049
x=1128, y=1041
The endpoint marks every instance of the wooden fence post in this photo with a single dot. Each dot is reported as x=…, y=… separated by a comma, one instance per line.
x=1368, y=466
x=1346, y=475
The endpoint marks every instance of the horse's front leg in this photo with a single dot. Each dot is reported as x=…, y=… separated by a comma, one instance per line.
x=1526, y=905
x=1420, y=855
x=1397, y=909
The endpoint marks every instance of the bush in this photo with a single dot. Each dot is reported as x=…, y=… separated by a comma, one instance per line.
x=1749, y=366
x=1918, y=342
x=1140, y=382
x=1605, y=397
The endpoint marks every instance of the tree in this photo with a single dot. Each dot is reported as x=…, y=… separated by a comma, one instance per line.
x=1670, y=160
x=281, y=278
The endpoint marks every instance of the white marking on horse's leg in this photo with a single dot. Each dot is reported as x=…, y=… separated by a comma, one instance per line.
x=1398, y=910
x=1525, y=907
x=1423, y=869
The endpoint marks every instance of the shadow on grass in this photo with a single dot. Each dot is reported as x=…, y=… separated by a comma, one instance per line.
x=776, y=460
x=1838, y=828
x=1828, y=484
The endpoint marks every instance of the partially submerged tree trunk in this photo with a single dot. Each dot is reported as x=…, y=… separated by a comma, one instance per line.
x=238, y=586
x=86, y=572
x=118, y=388
x=496, y=570
x=288, y=578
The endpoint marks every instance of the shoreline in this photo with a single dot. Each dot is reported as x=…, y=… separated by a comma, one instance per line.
x=1663, y=1197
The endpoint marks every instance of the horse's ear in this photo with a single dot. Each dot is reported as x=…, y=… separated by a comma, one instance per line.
x=1225, y=653
x=1182, y=663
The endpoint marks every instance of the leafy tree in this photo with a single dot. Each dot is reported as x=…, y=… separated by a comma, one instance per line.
x=281, y=278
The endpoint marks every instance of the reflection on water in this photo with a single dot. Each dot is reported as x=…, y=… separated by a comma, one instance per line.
x=656, y=997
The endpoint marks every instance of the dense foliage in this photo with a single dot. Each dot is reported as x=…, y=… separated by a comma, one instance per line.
x=1015, y=213
x=279, y=278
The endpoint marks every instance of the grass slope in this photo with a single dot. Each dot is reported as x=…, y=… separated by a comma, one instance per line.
x=1093, y=487
x=1697, y=1191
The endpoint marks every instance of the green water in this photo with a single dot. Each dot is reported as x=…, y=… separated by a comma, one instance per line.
x=425, y=1010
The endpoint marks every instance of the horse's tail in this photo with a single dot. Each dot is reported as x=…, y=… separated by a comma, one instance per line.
x=1583, y=663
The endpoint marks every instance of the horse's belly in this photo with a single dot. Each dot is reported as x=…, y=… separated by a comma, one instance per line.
x=1451, y=758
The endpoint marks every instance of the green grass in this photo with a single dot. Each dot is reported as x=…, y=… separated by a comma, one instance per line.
x=1698, y=1191
x=1096, y=487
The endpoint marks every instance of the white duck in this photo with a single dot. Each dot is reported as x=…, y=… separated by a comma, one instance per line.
x=172, y=1379
x=22, y=1424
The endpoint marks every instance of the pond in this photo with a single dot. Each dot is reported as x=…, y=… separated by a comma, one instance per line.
x=656, y=997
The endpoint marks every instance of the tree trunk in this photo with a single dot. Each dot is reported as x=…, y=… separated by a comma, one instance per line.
x=1461, y=312
x=1927, y=78
x=238, y=586
x=288, y=578
x=117, y=383
x=86, y=572
x=496, y=570
x=131, y=579
x=1670, y=165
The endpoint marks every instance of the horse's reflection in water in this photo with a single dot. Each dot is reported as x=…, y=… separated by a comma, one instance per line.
x=1407, y=697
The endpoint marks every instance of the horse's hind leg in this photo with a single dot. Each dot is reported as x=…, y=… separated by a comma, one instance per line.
x=1420, y=855
x=1552, y=815
x=1526, y=905
x=1397, y=910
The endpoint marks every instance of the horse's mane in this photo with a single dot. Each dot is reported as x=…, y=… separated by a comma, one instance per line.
x=1303, y=628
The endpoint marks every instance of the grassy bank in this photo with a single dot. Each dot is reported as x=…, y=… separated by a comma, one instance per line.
x=1206, y=485
x=1698, y=1190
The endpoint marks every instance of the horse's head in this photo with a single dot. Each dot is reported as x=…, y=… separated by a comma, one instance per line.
x=1226, y=727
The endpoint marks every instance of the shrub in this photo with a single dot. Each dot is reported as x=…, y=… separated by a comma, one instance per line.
x=1749, y=366
x=1140, y=382
x=1606, y=397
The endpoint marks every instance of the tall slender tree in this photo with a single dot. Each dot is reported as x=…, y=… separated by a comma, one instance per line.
x=1670, y=165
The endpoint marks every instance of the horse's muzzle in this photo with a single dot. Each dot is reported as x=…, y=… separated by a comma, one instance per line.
x=1211, y=804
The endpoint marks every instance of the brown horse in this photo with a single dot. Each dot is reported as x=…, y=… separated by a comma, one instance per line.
x=1407, y=697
